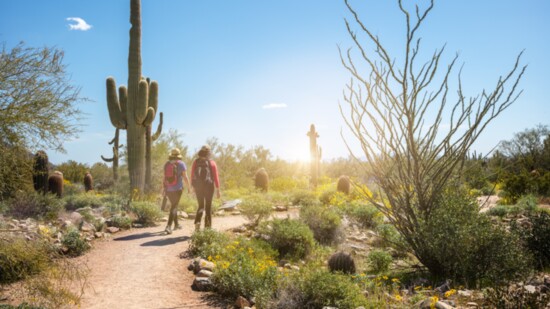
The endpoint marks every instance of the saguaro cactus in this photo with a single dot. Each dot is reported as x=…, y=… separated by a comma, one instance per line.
x=40, y=172
x=134, y=109
x=114, y=159
x=149, y=139
x=315, y=155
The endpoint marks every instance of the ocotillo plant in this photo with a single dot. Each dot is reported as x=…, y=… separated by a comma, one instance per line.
x=135, y=108
x=149, y=139
x=40, y=172
x=315, y=155
x=115, y=157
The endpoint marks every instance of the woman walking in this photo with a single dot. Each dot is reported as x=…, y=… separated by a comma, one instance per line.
x=175, y=176
x=205, y=181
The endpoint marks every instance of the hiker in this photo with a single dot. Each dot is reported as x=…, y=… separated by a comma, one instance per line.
x=175, y=175
x=205, y=180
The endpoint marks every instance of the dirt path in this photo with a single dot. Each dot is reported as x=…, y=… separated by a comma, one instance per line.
x=141, y=268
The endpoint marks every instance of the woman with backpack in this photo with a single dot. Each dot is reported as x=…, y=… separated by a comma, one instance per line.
x=175, y=175
x=205, y=180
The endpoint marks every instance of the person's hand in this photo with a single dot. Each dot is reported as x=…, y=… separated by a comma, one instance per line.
x=218, y=194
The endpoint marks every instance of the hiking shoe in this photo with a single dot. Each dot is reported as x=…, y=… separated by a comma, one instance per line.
x=168, y=230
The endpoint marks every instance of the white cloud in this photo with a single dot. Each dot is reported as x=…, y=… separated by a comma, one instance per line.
x=274, y=105
x=81, y=24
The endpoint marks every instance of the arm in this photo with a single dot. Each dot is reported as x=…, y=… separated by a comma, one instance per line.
x=216, y=177
x=186, y=181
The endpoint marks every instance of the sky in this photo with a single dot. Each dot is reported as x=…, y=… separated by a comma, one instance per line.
x=260, y=72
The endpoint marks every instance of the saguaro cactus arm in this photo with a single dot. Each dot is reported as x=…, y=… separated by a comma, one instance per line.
x=159, y=128
x=118, y=118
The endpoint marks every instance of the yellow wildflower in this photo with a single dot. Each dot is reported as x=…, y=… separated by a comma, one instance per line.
x=385, y=277
x=395, y=280
x=450, y=293
x=398, y=297
x=433, y=301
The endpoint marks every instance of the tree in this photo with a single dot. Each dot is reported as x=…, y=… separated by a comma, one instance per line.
x=528, y=150
x=396, y=110
x=37, y=100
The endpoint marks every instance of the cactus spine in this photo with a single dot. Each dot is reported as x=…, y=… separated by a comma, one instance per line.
x=135, y=107
x=114, y=159
x=315, y=155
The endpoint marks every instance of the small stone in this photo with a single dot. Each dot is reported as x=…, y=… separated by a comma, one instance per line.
x=242, y=302
x=294, y=267
x=464, y=293
x=201, y=284
x=207, y=265
x=203, y=273
x=98, y=234
x=183, y=214
x=87, y=227
x=112, y=229
x=220, y=213
x=530, y=289
x=236, y=213
x=472, y=305
x=281, y=208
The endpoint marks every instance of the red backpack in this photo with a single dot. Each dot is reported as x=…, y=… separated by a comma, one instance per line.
x=170, y=174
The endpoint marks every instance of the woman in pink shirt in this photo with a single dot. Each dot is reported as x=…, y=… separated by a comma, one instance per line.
x=204, y=180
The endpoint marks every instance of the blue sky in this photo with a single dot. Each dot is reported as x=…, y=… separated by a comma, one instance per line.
x=219, y=63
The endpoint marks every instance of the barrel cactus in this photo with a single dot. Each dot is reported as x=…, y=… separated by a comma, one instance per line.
x=341, y=261
x=88, y=182
x=261, y=180
x=55, y=184
x=40, y=172
x=134, y=108
x=344, y=184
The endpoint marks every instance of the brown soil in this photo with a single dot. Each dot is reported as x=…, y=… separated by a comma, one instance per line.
x=142, y=268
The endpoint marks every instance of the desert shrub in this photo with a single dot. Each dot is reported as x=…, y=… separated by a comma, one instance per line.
x=326, y=196
x=207, y=242
x=379, y=261
x=20, y=306
x=527, y=202
x=462, y=245
x=324, y=222
x=20, y=259
x=536, y=237
x=287, y=184
x=498, y=211
x=391, y=237
x=303, y=198
x=363, y=214
x=279, y=198
x=113, y=203
x=146, y=212
x=120, y=221
x=246, y=268
x=74, y=244
x=317, y=288
x=77, y=201
x=35, y=205
x=187, y=203
x=256, y=207
x=291, y=238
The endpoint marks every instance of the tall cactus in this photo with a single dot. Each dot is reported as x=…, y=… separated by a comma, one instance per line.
x=115, y=157
x=134, y=108
x=149, y=139
x=315, y=155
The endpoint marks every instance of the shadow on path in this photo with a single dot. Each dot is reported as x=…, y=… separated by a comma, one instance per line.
x=165, y=241
x=138, y=236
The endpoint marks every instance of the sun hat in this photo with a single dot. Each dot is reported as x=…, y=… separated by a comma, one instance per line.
x=175, y=154
x=205, y=151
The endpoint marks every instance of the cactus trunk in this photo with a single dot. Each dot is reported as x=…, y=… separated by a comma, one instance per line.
x=315, y=152
x=114, y=159
x=149, y=139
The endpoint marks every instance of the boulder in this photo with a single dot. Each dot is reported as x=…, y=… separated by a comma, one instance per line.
x=201, y=284
x=242, y=302
x=230, y=205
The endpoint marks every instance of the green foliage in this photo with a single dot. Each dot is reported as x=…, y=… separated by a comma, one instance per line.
x=20, y=306
x=35, y=205
x=379, y=261
x=303, y=198
x=246, y=268
x=188, y=203
x=256, y=207
x=207, y=242
x=364, y=214
x=147, y=213
x=15, y=171
x=515, y=297
x=536, y=237
x=73, y=171
x=20, y=259
x=291, y=238
x=324, y=222
x=288, y=184
x=74, y=244
x=462, y=245
x=528, y=202
x=317, y=288
x=120, y=221
x=103, y=176
x=391, y=237
x=326, y=196
x=77, y=201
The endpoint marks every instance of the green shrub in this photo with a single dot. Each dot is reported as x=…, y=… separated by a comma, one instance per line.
x=291, y=238
x=460, y=244
x=77, y=201
x=318, y=288
x=528, y=203
x=20, y=259
x=120, y=221
x=20, y=306
x=391, y=237
x=246, y=269
x=74, y=244
x=303, y=198
x=498, y=211
x=379, y=261
x=256, y=207
x=365, y=215
x=35, y=205
x=324, y=222
x=536, y=237
x=326, y=196
x=278, y=198
x=207, y=242
x=147, y=213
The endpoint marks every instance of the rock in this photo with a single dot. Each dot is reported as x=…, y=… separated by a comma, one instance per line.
x=183, y=214
x=220, y=213
x=87, y=227
x=239, y=229
x=230, y=205
x=426, y=304
x=112, y=229
x=207, y=265
x=82, y=210
x=164, y=219
x=137, y=225
x=201, y=284
x=530, y=289
x=98, y=234
x=294, y=267
x=281, y=208
x=464, y=293
x=203, y=273
x=242, y=302
x=472, y=305
x=75, y=218
x=67, y=224
x=236, y=213
x=191, y=215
